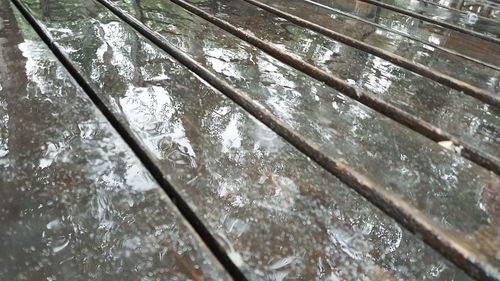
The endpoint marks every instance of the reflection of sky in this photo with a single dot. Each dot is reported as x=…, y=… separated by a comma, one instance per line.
x=114, y=38
x=327, y=53
x=434, y=39
x=80, y=203
x=152, y=110
x=231, y=138
x=4, y=137
x=36, y=66
x=378, y=75
x=35, y=63
x=220, y=59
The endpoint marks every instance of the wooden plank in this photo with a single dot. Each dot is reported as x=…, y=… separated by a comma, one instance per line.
x=486, y=35
x=389, y=25
x=468, y=21
x=75, y=203
x=276, y=213
x=434, y=191
x=484, y=10
x=463, y=43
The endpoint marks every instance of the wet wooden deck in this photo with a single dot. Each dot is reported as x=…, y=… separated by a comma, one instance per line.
x=249, y=139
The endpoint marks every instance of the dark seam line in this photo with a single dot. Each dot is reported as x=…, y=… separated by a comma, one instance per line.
x=480, y=94
x=135, y=146
x=463, y=12
x=438, y=238
x=450, y=51
x=434, y=21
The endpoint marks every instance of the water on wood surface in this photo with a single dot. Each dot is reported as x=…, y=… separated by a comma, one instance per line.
x=346, y=14
x=484, y=8
x=470, y=21
x=277, y=215
x=437, y=104
x=75, y=204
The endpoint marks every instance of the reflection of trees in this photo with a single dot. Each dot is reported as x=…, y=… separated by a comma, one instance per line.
x=255, y=187
x=44, y=7
x=29, y=143
x=39, y=191
x=273, y=196
x=276, y=87
x=75, y=204
x=367, y=71
x=485, y=9
x=408, y=48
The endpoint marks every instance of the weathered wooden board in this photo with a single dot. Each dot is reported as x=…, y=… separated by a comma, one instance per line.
x=366, y=34
x=277, y=214
x=482, y=8
x=75, y=203
x=466, y=21
x=438, y=22
x=414, y=33
x=391, y=24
